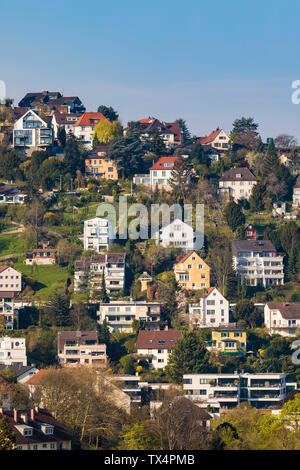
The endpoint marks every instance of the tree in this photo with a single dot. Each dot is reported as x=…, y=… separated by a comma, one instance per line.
x=101, y=294
x=128, y=152
x=257, y=196
x=189, y=356
x=62, y=136
x=179, y=180
x=127, y=364
x=106, y=131
x=271, y=160
x=139, y=437
x=7, y=435
x=245, y=310
x=79, y=318
x=285, y=140
x=73, y=156
x=244, y=132
x=108, y=112
x=198, y=157
x=185, y=133
x=234, y=216
x=57, y=310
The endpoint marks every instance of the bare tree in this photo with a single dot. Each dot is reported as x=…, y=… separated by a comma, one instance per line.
x=285, y=140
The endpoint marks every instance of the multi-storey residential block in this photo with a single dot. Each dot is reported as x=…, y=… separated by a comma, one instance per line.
x=11, y=195
x=296, y=193
x=228, y=340
x=10, y=281
x=156, y=346
x=36, y=429
x=13, y=351
x=89, y=272
x=40, y=256
x=237, y=183
x=212, y=310
x=282, y=318
x=192, y=272
x=31, y=132
x=217, y=139
x=98, y=234
x=257, y=262
x=119, y=315
x=99, y=165
x=262, y=390
x=84, y=128
x=81, y=347
x=177, y=234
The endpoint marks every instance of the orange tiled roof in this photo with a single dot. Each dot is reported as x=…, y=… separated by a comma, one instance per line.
x=87, y=118
x=210, y=137
x=160, y=164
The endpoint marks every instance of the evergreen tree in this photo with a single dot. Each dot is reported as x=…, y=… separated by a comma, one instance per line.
x=257, y=197
x=189, y=356
x=73, y=156
x=271, y=161
x=179, y=180
x=185, y=133
x=62, y=136
x=108, y=112
x=57, y=310
x=103, y=333
x=234, y=216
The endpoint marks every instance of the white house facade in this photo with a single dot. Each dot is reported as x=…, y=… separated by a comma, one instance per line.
x=31, y=131
x=13, y=351
x=98, y=234
x=282, y=318
x=211, y=311
x=177, y=234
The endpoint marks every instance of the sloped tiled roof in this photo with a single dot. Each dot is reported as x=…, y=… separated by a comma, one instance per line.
x=87, y=118
x=209, y=138
x=287, y=310
x=150, y=339
x=233, y=175
x=160, y=164
x=257, y=246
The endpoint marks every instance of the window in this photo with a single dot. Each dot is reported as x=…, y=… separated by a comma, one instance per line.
x=203, y=392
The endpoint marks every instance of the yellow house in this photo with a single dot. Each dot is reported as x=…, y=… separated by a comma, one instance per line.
x=98, y=165
x=192, y=272
x=228, y=341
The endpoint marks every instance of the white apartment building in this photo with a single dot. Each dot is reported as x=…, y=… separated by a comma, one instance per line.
x=93, y=267
x=80, y=347
x=10, y=281
x=156, y=346
x=282, y=318
x=13, y=351
x=225, y=391
x=98, y=234
x=237, y=183
x=257, y=262
x=119, y=315
x=296, y=193
x=211, y=311
x=32, y=132
x=177, y=234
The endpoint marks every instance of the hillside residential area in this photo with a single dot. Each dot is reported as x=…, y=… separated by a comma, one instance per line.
x=152, y=342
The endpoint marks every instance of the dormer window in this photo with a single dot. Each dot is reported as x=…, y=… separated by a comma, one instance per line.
x=238, y=175
x=47, y=428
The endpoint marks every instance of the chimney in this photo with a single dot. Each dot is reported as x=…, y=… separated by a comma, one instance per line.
x=32, y=414
x=36, y=408
x=1, y=411
x=15, y=415
x=24, y=418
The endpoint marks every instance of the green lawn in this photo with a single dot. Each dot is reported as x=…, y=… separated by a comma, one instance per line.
x=12, y=243
x=49, y=279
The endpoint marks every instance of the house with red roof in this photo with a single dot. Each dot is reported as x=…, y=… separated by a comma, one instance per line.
x=160, y=172
x=211, y=311
x=84, y=128
x=156, y=346
x=217, y=139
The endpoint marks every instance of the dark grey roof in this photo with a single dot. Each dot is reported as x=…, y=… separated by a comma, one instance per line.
x=287, y=310
x=258, y=246
x=232, y=175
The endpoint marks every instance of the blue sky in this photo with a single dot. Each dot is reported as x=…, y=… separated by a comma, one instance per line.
x=208, y=62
